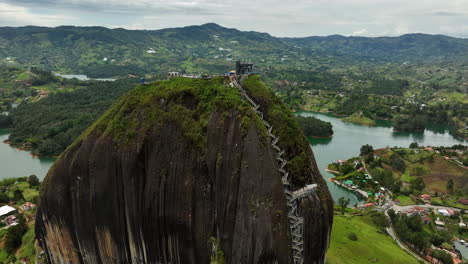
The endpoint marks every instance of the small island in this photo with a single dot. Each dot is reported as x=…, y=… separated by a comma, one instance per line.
x=314, y=127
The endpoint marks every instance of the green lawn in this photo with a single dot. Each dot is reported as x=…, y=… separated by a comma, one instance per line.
x=27, y=250
x=405, y=200
x=371, y=246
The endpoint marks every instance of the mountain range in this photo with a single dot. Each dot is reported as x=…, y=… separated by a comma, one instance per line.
x=103, y=52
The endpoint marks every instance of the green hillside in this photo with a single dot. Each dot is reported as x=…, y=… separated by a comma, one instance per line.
x=371, y=246
x=102, y=52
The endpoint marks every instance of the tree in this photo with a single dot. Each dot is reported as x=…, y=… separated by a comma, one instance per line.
x=352, y=236
x=397, y=162
x=442, y=256
x=417, y=184
x=391, y=213
x=4, y=198
x=33, y=180
x=366, y=150
x=414, y=145
x=343, y=203
x=15, y=234
x=450, y=186
x=18, y=196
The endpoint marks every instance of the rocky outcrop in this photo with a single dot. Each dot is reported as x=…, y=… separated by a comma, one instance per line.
x=178, y=172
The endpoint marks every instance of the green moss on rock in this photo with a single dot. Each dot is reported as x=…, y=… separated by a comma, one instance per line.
x=186, y=103
x=285, y=126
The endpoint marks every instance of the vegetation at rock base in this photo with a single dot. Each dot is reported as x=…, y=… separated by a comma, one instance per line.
x=314, y=127
x=17, y=237
x=343, y=203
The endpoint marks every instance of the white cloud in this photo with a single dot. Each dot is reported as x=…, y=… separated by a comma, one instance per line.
x=280, y=18
x=13, y=15
x=361, y=32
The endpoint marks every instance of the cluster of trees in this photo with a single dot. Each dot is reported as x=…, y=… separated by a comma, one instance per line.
x=50, y=125
x=442, y=256
x=411, y=230
x=410, y=123
x=314, y=127
x=388, y=87
x=42, y=77
x=15, y=234
x=5, y=121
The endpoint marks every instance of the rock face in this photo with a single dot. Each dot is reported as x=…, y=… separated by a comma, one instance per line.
x=181, y=171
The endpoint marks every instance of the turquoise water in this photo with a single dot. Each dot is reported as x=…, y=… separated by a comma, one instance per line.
x=18, y=163
x=349, y=137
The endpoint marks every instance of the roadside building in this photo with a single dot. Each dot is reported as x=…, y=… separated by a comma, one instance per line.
x=426, y=198
x=463, y=201
x=443, y=212
x=426, y=220
x=28, y=206
x=6, y=210
x=438, y=222
x=419, y=210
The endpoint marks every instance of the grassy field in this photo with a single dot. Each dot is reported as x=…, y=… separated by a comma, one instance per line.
x=440, y=172
x=405, y=200
x=371, y=246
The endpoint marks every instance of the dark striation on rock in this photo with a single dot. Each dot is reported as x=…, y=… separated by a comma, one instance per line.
x=179, y=171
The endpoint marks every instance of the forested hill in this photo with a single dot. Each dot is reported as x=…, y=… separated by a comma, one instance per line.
x=406, y=48
x=102, y=52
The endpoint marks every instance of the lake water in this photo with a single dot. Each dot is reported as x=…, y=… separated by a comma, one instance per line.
x=83, y=77
x=19, y=163
x=349, y=137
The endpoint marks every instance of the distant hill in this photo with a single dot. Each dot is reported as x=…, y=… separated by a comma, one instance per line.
x=103, y=52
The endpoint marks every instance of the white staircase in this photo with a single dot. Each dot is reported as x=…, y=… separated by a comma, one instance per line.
x=296, y=222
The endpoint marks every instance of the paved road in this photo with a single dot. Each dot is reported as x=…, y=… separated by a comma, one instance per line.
x=392, y=234
x=403, y=208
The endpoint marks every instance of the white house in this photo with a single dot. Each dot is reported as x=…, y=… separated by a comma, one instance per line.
x=5, y=210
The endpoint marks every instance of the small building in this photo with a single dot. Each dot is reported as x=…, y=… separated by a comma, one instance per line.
x=172, y=74
x=6, y=210
x=28, y=206
x=426, y=220
x=463, y=201
x=244, y=68
x=397, y=202
x=462, y=225
x=443, y=212
x=428, y=149
x=367, y=205
x=341, y=162
x=439, y=223
x=10, y=220
x=426, y=197
x=419, y=210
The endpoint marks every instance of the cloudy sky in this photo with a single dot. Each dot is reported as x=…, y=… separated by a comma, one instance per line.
x=279, y=18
